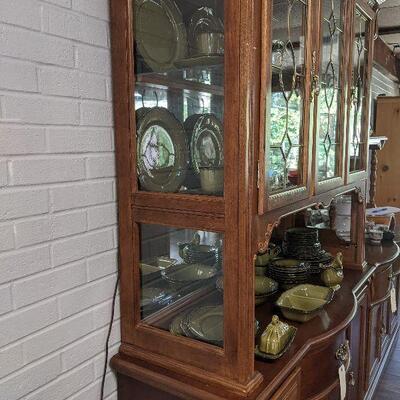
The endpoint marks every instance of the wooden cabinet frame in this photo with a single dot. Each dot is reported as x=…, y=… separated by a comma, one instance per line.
x=232, y=367
x=246, y=215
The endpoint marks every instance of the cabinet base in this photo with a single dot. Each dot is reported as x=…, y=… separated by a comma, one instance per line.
x=386, y=357
x=157, y=384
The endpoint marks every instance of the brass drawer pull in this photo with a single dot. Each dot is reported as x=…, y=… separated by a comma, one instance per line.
x=343, y=355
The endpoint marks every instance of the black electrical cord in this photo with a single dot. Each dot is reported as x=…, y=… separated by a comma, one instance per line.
x=103, y=379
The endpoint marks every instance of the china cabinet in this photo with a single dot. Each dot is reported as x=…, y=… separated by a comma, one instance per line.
x=231, y=118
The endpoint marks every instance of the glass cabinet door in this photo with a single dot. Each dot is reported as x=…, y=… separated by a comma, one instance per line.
x=182, y=282
x=179, y=95
x=359, y=94
x=284, y=129
x=329, y=122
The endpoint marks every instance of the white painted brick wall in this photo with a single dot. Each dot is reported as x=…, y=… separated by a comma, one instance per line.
x=58, y=250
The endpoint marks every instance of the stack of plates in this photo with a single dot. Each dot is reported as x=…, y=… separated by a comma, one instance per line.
x=318, y=265
x=289, y=272
x=199, y=254
x=204, y=323
x=303, y=244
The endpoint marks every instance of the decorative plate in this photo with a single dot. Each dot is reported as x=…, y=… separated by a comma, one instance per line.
x=162, y=155
x=207, y=324
x=160, y=33
x=206, y=141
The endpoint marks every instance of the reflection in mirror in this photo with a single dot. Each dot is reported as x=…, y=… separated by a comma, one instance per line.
x=182, y=281
x=343, y=205
x=179, y=95
x=284, y=116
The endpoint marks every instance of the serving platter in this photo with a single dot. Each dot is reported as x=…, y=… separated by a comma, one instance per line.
x=162, y=151
x=160, y=33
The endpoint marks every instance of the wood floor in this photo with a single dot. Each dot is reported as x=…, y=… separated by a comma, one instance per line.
x=389, y=385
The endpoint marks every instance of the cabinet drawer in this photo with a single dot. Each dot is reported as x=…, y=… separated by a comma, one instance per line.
x=321, y=362
x=381, y=284
x=290, y=390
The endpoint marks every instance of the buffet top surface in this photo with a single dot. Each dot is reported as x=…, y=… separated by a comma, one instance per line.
x=330, y=321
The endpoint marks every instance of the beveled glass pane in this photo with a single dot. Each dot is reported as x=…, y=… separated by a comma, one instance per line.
x=330, y=94
x=179, y=95
x=182, y=281
x=284, y=116
x=357, y=106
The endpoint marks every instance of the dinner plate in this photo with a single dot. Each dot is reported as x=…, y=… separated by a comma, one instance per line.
x=175, y=326
x=162, y=151
x=160, y=33
x=206, y=141
x=207, y=324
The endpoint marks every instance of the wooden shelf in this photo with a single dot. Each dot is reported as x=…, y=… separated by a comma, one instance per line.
x=163, y=82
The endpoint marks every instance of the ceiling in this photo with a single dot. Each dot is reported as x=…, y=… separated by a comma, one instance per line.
x=389, y=23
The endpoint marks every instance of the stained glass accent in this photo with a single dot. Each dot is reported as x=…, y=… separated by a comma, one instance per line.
x=284, y=128
x=330, y=94
x=357, y=137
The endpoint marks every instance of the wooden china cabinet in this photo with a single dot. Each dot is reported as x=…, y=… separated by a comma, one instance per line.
x=231, y=116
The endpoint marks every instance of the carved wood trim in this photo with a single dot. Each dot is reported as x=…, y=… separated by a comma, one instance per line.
x=359, y=195
x=373, y=178
x=263, y=246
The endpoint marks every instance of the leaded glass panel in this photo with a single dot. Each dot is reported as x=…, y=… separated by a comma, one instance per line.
x=284, y=136
x=330, y=95
x=357, y=140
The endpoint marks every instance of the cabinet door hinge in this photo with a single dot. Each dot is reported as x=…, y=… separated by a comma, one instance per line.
x=258, y=175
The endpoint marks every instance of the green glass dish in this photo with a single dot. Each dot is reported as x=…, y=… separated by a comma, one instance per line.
x=303, y=302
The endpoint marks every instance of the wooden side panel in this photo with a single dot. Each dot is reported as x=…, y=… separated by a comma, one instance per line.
x=374, y=326
x=387, y=124
x=357, y=337
x=131, y=389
